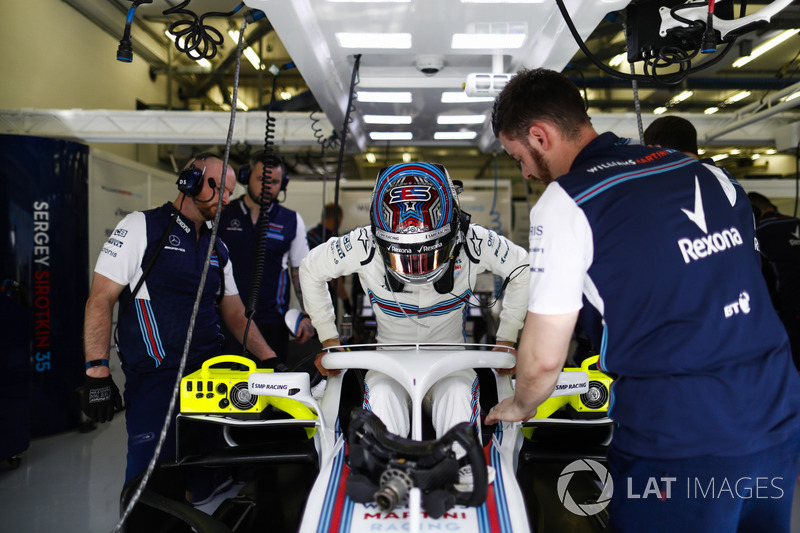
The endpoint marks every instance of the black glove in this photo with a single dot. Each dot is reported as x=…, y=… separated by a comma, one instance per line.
x=274, y=363
x=100, y=398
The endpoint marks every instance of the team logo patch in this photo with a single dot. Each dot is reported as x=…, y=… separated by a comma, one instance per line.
x=174, y=240
x=235, y=223
x=409, y=193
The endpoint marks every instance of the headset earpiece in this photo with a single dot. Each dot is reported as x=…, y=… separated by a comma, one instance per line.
x=243, y=176
x=190, y=180
x=284, y=181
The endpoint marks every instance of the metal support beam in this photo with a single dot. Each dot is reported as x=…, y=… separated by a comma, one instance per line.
x=160, y=127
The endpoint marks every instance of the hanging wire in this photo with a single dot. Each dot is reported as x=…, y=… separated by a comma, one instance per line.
x=347, y=120
x=193, y=36
x=635, y=87
x=667, y=56
x=173, y=400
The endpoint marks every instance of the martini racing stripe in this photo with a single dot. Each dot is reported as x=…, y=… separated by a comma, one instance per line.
x=280, y=296
x=473, y=419
x=608, y=183
x=392, y=308
x=275, y=231
x=338, y=474
x=149, y=330
x=500, y=513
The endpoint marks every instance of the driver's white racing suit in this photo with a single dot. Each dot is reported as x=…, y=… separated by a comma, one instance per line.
x=418, y=313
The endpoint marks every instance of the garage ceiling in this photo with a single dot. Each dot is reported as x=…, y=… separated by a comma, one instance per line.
x=313, y=36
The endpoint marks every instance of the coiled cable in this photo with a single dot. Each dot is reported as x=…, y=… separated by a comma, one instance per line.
x=262, y=225
x=193, y=36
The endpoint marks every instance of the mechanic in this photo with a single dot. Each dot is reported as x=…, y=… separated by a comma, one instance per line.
x=285, y=247
x=152, y=265
x=779, y=240
x=329, y=227
x=418, y=263
x=672, y=132
x=656, y=250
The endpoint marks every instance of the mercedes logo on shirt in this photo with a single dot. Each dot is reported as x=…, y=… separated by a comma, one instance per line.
x=174, y=240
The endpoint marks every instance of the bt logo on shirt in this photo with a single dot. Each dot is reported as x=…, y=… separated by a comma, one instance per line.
x=742, y=305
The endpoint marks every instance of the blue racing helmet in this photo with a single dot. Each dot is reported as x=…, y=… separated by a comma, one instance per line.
x=415, y=219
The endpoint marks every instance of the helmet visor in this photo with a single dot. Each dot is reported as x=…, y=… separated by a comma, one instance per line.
x=419, y=268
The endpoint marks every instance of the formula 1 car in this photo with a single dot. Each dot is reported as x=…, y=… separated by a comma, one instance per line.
x=327, y=465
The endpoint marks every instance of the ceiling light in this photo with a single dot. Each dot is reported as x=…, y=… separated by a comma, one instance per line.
x=711, y=110
x=403, y=97
x=491, y=41
x=252, y=57
x=406, y=157
x=460, y=119
x=248, y=51
x=454, y=135
x=771, y=151
x=755, y=156
x=719, y=157
x=736, y=97
x=618, y=59
x=375, y=1
x=286, y=95
x=659, y=110
x=765, y=47
x=792, y=96
x=203, y=62
x=735, y=151
x=678, y=98
x=371, y=158
x=374, y=40
x=387, y=119
x=391, y=135
x=700, y=151
x=451, y=97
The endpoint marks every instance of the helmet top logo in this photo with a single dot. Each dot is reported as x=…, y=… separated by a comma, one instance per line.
x=409, y=193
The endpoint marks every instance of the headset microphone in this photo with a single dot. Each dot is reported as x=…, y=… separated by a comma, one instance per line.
x=213, y=184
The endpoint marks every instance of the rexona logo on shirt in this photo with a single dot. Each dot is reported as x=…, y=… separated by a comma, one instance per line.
x=711, y=243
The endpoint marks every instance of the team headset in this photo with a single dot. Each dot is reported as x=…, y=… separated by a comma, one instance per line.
x=190, y=180
x=243, y=176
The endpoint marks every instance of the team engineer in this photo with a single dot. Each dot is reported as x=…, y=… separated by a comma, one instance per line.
x=285, y=247
x=656, y=250
x=419, y=294
x=153, y=325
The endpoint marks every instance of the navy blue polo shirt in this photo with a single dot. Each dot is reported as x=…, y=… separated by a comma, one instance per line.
x=153, y=327
x=674, y=297
x=285, y=246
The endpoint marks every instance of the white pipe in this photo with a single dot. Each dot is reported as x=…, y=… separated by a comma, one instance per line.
x=755, y=116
